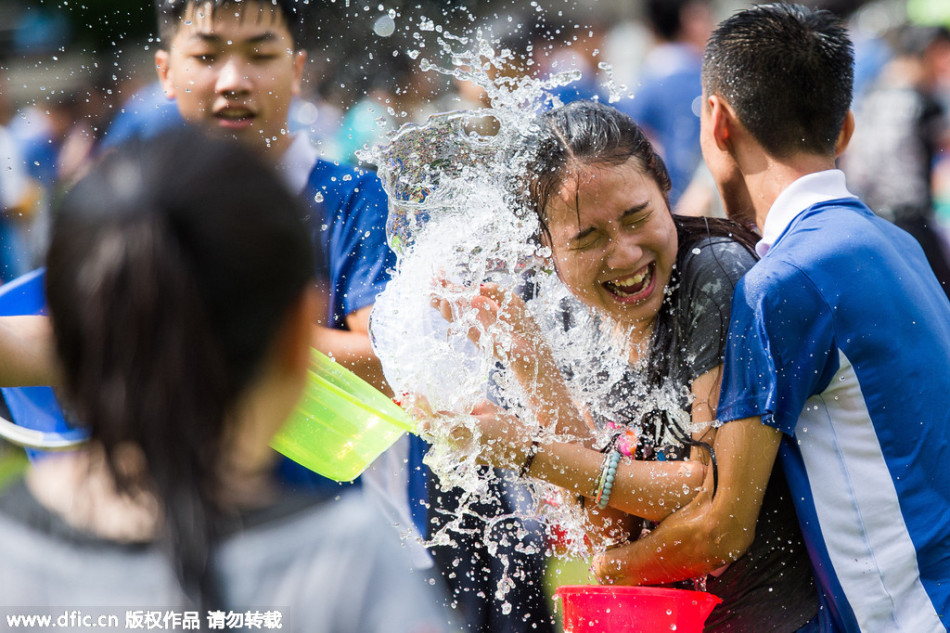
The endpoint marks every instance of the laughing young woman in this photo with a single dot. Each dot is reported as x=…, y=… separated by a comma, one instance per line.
x=601, y=197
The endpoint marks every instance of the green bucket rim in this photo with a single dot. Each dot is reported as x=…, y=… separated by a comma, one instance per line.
x=400, y=420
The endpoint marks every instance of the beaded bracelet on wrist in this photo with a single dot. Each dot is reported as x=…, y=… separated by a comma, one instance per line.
x=605, y=482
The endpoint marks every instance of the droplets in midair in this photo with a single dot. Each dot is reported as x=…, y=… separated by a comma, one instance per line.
x=457, y=214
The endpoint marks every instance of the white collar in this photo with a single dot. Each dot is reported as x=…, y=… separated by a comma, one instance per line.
x=297, y=163
x=808, y=190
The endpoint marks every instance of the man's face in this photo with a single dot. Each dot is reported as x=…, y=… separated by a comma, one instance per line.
x=234, y=69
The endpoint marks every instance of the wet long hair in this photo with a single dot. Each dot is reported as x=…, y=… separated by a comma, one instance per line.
x=170, y=270
x=593, y=134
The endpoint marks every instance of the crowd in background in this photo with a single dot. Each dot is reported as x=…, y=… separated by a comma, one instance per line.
x=648, y=66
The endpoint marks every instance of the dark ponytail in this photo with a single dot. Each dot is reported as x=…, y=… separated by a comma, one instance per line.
x=169, y=271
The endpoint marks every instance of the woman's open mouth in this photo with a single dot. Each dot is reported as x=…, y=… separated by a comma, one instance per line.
x=635, y=287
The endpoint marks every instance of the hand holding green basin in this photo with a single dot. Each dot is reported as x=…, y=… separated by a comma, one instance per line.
x=341, y=424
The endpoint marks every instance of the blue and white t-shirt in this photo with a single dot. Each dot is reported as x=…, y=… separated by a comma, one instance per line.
x=840, y=338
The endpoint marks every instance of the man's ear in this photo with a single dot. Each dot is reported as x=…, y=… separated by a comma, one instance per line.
x=164, y=77
x=844, y=136
x=721, y=122
x=300, y=61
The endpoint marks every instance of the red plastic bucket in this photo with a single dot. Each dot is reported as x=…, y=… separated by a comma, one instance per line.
x=624, y=609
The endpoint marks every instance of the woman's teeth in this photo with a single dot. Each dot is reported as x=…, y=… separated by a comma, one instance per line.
x=630, y=285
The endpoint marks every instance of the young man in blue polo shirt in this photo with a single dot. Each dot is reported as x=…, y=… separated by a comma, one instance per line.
x=234, y=68
x=837, y=359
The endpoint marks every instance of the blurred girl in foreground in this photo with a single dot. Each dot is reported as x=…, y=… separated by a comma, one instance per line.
x=181, y=293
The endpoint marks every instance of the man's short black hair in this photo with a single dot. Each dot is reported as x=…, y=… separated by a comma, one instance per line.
x=787, y=71
x=170, y=12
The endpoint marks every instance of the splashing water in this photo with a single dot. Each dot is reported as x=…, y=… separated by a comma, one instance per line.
x=457, y=213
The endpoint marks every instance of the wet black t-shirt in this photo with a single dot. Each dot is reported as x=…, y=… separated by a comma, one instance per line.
x=770, y=588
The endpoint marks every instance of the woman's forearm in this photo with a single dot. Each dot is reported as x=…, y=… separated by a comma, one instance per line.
x=533, y=365
x=647, y=489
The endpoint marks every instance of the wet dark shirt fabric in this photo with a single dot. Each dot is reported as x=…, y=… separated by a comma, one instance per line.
x=771, y=587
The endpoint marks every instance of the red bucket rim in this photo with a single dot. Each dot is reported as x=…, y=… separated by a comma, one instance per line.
x=632, y=590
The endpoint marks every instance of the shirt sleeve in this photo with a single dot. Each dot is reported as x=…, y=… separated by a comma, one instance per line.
x=780, y=349
x=360, y=257
x=711, y=272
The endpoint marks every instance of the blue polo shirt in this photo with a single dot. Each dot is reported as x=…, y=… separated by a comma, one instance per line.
x=348, y=211
x=840, y=338
x=348, y=225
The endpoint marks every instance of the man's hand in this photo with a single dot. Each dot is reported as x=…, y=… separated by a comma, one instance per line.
x=709, y=531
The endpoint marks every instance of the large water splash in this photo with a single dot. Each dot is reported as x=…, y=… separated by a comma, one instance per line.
x=458, y=213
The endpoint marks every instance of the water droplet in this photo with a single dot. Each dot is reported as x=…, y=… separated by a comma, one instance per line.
x=318, y=197
x=384, y=26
